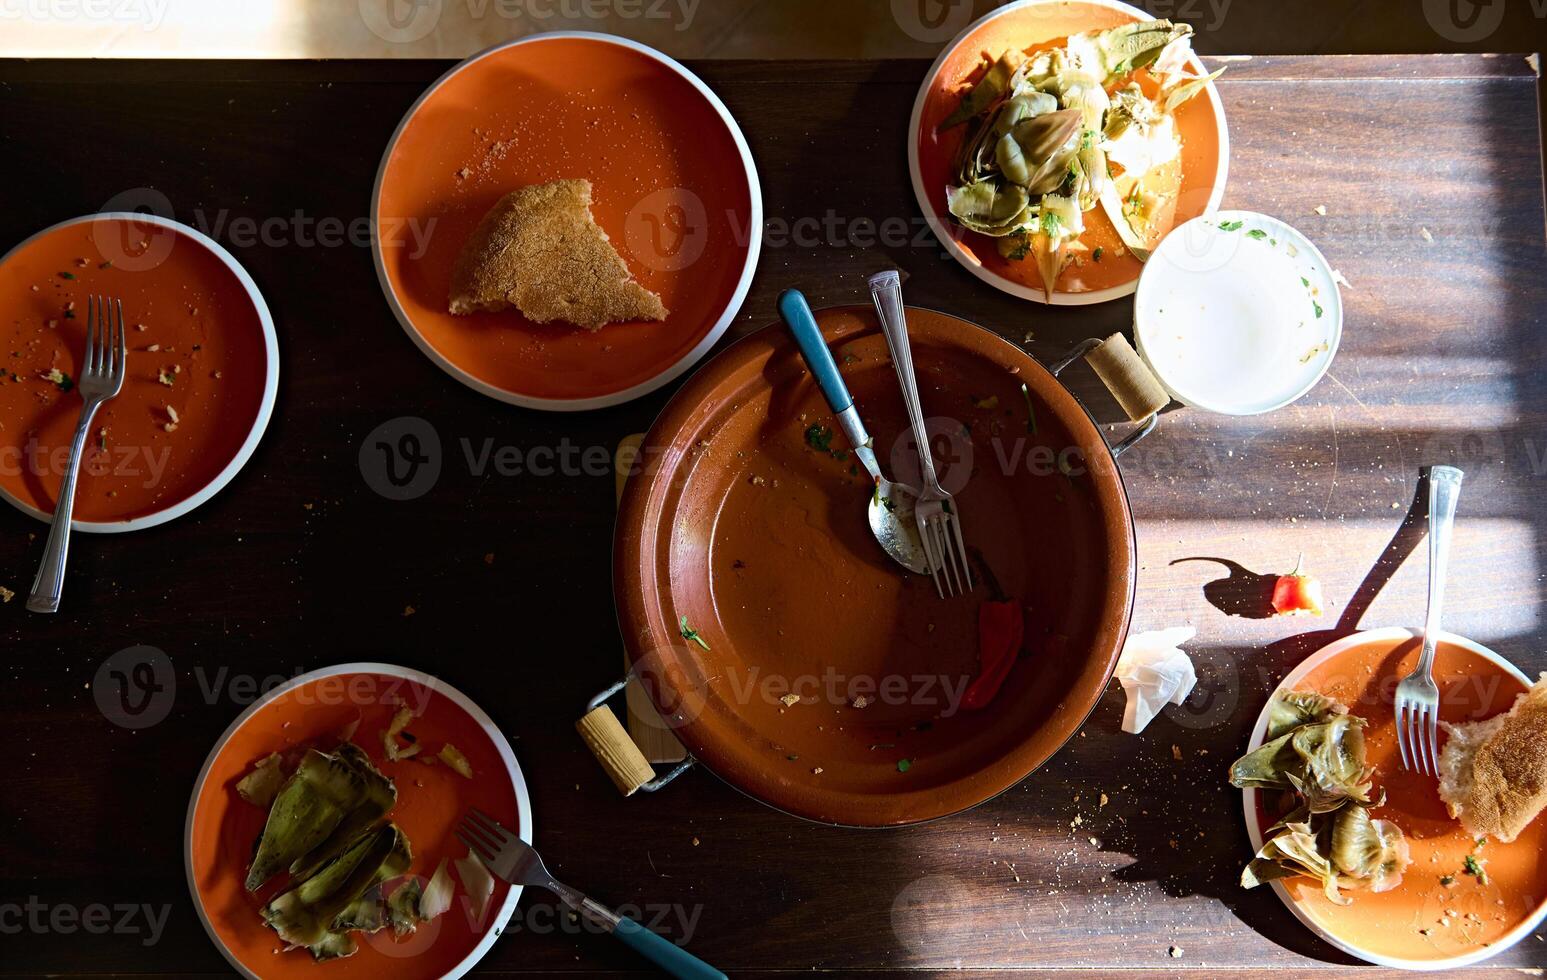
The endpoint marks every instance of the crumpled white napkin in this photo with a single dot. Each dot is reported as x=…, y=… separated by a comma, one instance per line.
x=1154, y=672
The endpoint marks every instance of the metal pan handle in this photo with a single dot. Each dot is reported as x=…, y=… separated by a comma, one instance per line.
x=1129, y=380
x=607, y=739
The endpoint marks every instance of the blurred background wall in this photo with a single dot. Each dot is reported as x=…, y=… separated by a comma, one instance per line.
x=716, y=28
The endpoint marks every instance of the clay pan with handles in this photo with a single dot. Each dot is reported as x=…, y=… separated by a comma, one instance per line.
x=815, y=675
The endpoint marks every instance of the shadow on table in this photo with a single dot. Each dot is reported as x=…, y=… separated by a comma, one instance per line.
x=1179, y=845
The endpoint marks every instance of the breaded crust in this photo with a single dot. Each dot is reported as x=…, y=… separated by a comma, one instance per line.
x=1494, y=772
x=539, y=250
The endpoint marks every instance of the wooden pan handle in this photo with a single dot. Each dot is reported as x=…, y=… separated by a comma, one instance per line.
x=617, y=753
x=1128, y=378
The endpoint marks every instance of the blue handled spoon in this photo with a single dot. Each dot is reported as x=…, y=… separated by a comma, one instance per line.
x=891, y=504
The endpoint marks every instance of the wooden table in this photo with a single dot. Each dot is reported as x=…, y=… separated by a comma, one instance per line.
x=298, y=564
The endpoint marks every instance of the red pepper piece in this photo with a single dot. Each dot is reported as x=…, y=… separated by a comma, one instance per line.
x=1001, y=625
x=1294, y=594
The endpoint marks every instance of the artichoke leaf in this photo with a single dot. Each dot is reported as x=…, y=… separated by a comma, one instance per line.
x=988, y=207
x=368, y=913
x=1373, y=851
x=1334, y=757
x=1180, y=94
x=310, y=805
x=1052, y=254
x=1291, y=709
x=1133, y=46
x=334, y=946
x=1012, y=160
x=1264, y=767
x=302, y=916
x=403, y=907
x=988, y=90
x=378, y=794
x=1113, y=206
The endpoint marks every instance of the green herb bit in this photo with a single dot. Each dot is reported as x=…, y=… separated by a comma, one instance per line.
x=691, y=635
x=1447, y=880
x=59, y=378
x=1231, y=225
x=67, y=275
x=903, y=765
x=819, y=437
x=1305, y=282
x=1474, y=868
x=1096, y=255
x=106, y=265
x=1319, y=310
x=1257, y=233
x=1031, y=412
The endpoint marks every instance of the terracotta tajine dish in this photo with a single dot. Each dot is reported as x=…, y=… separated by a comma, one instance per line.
x=1029, y=26
x=673, y=186
x=1440, y=916
x=431, y=799
x=203, y=370
x=789, y=654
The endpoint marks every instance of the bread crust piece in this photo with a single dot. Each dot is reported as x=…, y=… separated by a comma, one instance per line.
x=1493, y=773
x=539, y=250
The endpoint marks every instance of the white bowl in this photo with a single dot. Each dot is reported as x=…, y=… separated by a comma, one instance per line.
x=1238, y=313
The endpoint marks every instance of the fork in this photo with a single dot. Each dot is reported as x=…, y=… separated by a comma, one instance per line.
x=513, y=859
x=936, y=512
x=101, y=378
x=1418, y=697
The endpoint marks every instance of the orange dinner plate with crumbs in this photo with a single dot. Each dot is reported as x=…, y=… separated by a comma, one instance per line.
x=314, y=710
x=1030, y=25
x=1439, y=917
x=673, y=186
x=202, y=370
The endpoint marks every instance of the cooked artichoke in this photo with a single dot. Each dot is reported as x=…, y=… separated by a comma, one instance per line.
x=302, y=916
x=989, y=89
x=1317, y=749
x=307, y=809
x=377, y=795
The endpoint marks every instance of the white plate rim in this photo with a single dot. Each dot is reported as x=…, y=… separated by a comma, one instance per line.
x=501, y=744
x=1254, y=827
x=260, y=421
x=942, y=229
x=670, y=373
x=1327, y=282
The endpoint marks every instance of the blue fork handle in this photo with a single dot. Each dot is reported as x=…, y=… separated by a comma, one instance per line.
x=808, y=337
x=664, y=953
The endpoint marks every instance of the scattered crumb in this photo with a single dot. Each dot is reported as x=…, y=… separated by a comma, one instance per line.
x=409, y=611
x=861, y=701
x=696, y=842
x=1320, y=209
x=789, y=700
x=488, y=559
x=1175, y=952
x=6, y=595
x=1176, y=752
x=816, y=771
x=1426, y=235
x=1105, y=799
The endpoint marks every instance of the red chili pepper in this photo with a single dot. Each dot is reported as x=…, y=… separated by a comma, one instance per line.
x=1294, y=593
x=1001, y=625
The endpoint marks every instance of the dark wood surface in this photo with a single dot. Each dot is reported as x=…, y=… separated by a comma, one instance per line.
x=299, y=564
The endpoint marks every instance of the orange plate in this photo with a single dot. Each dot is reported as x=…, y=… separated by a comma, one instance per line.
x=1034, y=24
x=1362, y=671
x=673, y=185
x=761, y=542
x=431, y=800
x=192, y=315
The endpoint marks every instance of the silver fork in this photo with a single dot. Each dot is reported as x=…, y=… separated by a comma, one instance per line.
x=936, y=512
x=1418, y=697
x=101, y=378
x=513, y=859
